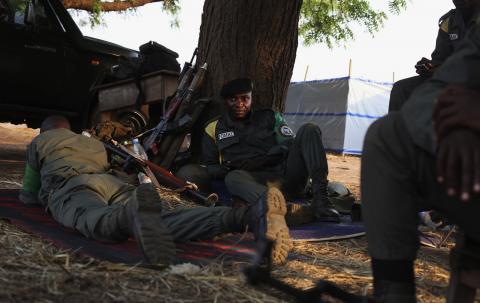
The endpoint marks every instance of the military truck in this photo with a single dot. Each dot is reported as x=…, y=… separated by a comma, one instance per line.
x=48, y=66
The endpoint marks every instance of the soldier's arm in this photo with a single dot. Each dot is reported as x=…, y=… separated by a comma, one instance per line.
x=443, y=45
x=31, y=178
x=283, y=132
x=462, y=68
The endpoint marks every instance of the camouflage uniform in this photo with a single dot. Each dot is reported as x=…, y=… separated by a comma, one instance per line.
x=79, y=192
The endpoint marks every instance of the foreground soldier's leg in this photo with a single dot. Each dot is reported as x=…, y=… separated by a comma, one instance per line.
x=306, y=158
x=390, y=206
x=266, y=218
x=397, y=181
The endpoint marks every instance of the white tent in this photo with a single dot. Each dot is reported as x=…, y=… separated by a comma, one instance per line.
x=343, y=108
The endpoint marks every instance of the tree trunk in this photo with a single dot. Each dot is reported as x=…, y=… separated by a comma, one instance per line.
x=250, y=38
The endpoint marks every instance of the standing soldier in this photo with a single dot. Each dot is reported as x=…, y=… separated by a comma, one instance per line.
x=453, y=26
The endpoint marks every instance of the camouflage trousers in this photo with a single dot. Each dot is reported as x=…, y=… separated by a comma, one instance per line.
x=93, y=204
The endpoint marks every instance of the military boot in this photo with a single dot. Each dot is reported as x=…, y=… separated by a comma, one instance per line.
x=266, y=219
x=299, y=214
x=394, y=292
x=321, y=205
x=145, y=222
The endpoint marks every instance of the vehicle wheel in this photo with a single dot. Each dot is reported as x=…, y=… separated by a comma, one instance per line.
x=134, y=119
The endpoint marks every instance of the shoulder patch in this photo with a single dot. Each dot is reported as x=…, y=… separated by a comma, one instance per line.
x=211, y=128
x=444, y=25
x=286, y=131
x=444, y=21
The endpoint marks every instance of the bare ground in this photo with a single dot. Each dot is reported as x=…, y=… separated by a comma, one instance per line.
x=33, y=270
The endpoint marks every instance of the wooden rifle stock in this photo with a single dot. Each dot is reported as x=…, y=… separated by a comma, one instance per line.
x=166, y=177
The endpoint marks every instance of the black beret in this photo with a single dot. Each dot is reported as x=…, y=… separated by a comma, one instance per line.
x=236, y=86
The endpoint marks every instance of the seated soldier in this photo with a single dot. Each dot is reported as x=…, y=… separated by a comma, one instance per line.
x=453, y=26
x=69, y=174
x=412, y=161
x=252, y=148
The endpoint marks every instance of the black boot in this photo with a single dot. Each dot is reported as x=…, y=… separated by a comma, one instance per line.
x=145, y=222
x=266, y=219
x=394, y=292
x=393, y=281
x=321, y=205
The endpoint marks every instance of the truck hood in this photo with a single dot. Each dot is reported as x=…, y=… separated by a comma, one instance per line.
x=105, y=47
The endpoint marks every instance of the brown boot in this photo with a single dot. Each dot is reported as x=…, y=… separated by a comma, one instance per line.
x=269, y=222
x=266, y=219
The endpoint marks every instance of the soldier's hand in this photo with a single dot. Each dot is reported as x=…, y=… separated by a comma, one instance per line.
x=458, y=163
x=424, y=67
x=456, y=107
x=217, y=171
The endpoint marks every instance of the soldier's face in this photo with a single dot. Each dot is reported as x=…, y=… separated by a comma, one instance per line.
x=239, y=105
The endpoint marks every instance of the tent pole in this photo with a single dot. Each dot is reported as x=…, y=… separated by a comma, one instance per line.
x=306, y=72
x=393, y=77
x=350, y=68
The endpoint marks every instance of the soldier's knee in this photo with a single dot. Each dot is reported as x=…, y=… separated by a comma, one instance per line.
x=383, y=132
x=372, y=136
x=196, y=174
x=234, y=177
x=308, y=129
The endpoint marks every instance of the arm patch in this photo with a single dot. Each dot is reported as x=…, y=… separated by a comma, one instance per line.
x=444, y=20
x=31, y=180
x=282, y=130
x=211, y=129
x=444, y=25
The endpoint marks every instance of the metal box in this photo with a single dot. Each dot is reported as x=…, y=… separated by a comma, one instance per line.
x=156, y=86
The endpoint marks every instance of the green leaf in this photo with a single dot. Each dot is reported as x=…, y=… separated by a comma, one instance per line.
x=331, y=21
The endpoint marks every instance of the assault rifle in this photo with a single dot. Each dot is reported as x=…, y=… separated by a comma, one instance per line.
x=190, y=81
x=159, y=174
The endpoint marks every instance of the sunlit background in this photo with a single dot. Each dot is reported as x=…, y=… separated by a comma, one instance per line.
x=388, y=56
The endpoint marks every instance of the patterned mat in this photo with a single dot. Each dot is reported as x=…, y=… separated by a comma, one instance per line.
x=233, y=247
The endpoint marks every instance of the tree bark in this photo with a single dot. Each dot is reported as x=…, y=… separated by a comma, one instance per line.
x=250, y=38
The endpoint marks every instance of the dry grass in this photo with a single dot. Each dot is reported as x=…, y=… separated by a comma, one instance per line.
x=32, y=270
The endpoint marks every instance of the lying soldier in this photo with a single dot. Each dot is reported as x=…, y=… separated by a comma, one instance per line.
x=425, y=156
x=69, y=175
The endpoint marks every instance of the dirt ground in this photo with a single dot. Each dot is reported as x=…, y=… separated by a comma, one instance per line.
x=33, y=270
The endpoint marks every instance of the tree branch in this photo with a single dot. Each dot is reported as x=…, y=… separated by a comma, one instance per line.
x=88, y=5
